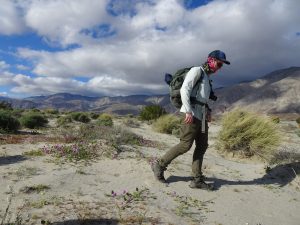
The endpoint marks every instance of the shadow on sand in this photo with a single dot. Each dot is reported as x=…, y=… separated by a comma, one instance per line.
x=5, y=160
x=81, y=222
x=88, y=222
x=280, y=175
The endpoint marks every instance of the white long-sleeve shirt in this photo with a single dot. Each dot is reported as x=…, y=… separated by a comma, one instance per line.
x=201, y=91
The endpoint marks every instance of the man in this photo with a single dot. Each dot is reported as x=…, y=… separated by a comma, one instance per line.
x=194, y=97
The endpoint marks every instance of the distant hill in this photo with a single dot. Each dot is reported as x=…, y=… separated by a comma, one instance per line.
x=69, y=102
x=276, y=92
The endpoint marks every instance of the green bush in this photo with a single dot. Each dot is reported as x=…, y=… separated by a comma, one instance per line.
x=105, y=120
x=151, y=112
x=33, y=120
x=5, y=105
x=298, y=121
x=94, y=116
x=8, y=123
x=80, y=117
x=51, y=111
x=248, y=133
x=61, y=121
x=17, y=113
x=167, y=124
x=35, y=110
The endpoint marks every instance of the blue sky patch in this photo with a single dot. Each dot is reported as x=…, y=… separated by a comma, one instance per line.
x=192, y=4
x=160, y=28
x=82, y=79
x=125, y=7
x=101, y=31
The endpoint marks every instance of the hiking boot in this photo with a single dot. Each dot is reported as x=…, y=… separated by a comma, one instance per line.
x=158, y=171
x=201, y=184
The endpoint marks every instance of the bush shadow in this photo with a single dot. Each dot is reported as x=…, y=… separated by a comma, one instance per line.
x=88, y=222
x=280, y=175
x=6, y=160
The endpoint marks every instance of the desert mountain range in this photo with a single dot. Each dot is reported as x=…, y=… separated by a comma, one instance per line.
x=276, y=92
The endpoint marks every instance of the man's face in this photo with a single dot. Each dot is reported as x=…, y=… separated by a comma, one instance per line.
x=214, y=64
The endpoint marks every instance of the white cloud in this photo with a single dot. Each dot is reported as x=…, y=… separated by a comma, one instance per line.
x=162, y=36
x=10, y=19
x=22, y=67
x=46, y=85
x=6, y=78
x=62, y=21
x=3, y=65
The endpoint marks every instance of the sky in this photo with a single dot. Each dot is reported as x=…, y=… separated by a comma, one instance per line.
x=124, y=47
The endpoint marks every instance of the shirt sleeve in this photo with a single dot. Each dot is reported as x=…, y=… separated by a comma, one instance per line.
x=186, y=89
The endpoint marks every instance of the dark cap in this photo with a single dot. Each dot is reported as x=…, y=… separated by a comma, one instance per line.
x=219, y=55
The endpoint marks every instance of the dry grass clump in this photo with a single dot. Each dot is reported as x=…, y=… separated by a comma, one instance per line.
x=105, y=120
x=167, y=124
x=131, y=122
x=248, y=134
x=64, y=120
x=285, y=157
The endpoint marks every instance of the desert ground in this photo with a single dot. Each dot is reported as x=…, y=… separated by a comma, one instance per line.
x=121, y=189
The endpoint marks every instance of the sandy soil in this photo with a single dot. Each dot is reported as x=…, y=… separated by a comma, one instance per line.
x=81, y=193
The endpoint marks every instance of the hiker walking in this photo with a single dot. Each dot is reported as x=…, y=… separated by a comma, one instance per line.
x=195, y=92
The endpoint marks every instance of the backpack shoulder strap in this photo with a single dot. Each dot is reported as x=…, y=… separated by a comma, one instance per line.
x=201, y=77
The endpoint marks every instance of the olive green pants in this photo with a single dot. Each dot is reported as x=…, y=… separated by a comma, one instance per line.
x=188, y=134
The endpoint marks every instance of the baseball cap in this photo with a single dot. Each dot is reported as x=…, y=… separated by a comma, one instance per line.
x=219, y=55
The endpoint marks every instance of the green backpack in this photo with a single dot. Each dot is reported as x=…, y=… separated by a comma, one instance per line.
x=175, y=82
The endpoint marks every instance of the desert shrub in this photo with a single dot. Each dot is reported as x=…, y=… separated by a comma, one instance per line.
x=94, y=115
x=167, y=124
x=298, y=132
x=61, y=121
x=5, y=105
x=17, y=112
x=285, y=156
x=151, y=112
x=130, y=115
x=275, y=119
x=34, y=110
x=114, y=135
x=33, y=120
x=298, y=121
x=105, y=120
x=8, y=123
x=248, y=133
x=80, y=117
x=131, y=122
x=52, y=111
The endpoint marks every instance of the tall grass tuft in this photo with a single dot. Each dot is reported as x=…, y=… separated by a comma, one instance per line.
x=167, y=124
x=248, y=134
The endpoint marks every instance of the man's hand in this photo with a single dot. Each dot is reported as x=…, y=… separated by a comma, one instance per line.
x=188, y=118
